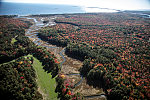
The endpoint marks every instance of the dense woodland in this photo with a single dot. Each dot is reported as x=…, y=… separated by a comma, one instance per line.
x=17, y=76
x=18, y=80
x=64, y=88
x=114, y=48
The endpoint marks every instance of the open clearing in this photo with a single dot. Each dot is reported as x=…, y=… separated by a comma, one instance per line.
x=45, y=82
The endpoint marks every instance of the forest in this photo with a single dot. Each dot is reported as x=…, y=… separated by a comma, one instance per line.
x=114, y=49
x=17, y=75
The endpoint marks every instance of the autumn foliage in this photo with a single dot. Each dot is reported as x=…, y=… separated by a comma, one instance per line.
x=114, y=46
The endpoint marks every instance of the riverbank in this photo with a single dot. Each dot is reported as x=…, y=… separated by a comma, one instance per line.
x=69, y=64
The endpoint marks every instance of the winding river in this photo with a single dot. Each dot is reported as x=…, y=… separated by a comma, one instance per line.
x=32, y=32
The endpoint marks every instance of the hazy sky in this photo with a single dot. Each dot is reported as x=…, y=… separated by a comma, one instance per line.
x=115, y=4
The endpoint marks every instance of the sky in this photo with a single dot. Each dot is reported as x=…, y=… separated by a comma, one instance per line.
x=113, y=4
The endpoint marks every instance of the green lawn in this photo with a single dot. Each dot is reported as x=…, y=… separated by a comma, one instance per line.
x=44, y=80
x=13, y=40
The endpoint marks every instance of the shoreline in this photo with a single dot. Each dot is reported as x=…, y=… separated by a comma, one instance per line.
x=144, y=14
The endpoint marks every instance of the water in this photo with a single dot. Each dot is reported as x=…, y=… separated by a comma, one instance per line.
x=142, y=15
x=145, y=15
x=33, y=9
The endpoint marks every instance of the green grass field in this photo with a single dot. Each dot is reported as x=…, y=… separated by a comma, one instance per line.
x=13, y=40
x=44, y=80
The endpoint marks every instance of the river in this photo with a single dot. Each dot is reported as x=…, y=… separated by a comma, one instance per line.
x=32, y=34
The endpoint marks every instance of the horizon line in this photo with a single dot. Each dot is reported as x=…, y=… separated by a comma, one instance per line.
x=91, y=7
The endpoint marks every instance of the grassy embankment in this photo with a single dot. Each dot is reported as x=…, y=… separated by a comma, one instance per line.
x=44, y=81
x=13, y=40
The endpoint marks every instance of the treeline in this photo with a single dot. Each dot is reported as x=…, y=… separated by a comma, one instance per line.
x=49, y=61
x=53, y=36
x=64, y=88
x=83, y=50
x=8, y=16
x=17, y=80
x=101, y=70
x=59, y=22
